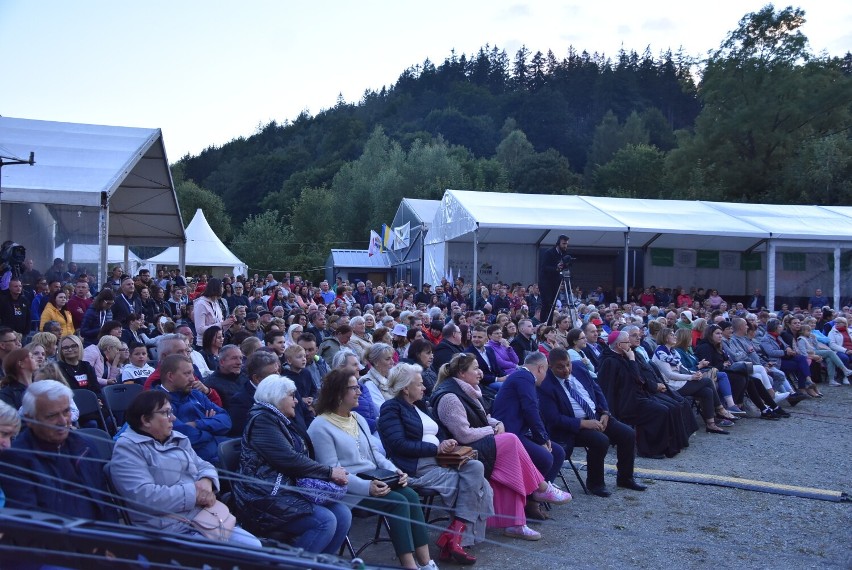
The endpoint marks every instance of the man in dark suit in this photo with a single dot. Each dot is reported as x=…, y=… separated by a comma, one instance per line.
x=576, y=413
x=486, y=358
x=756, y=302
x=594, y=347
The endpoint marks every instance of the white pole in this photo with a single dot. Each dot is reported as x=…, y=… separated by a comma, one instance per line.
x=770, y=275
x=836, y=304
x=475, y=290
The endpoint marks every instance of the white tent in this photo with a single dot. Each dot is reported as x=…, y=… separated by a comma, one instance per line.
x=89, y=255
x=520, y=224
x=90, y=184
x=203, y=248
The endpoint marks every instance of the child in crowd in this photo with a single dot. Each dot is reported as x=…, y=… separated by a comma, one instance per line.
x=138, y=369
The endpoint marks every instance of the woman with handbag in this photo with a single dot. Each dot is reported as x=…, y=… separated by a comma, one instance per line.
x=163, y=482
x=342, y=438
x=457, y=402
x=415, y=441
x=276, y=459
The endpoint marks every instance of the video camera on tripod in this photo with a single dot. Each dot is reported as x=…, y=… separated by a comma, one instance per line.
x=12, y=256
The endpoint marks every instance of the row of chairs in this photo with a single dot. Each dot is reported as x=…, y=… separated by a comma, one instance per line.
x=117, y=398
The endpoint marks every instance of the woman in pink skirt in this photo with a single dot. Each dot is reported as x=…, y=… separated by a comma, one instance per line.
x=457, y=402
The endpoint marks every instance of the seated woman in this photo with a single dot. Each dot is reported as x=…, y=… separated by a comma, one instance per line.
x=211, y=343
x=712, y=350
x=414, y=439
x=342, y=438
x=457, y=402
x=546, y=339
x=507, y=358
x=808, y=345
x=99, y=312
x=688, y=383
x=158, y=474
x=732, y=388
x=275, y=449
x=105, y=358
x=55, y=310
x=19, y=367
x=420, y=353
x=785, y=358
x=576, y=340
x=375, y=382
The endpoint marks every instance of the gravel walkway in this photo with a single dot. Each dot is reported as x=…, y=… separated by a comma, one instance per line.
x=699, y=526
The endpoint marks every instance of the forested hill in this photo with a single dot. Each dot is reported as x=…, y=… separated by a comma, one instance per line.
x=768, y=122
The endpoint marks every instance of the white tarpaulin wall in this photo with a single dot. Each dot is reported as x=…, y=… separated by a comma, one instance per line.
x=104, y=184
x=203, y=248
x=594, y=222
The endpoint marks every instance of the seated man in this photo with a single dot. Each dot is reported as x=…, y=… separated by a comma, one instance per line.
x=576, y=414
x=492, y=374
x=262, y=363
x=202, y=421
x=51, y=468
x=226, y=379
x=517, y=406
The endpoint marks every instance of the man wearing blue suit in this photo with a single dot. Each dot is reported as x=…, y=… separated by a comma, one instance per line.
x=492, y=374
x=576, y=414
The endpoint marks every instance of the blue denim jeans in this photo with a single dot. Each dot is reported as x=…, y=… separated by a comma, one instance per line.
x=324, y=530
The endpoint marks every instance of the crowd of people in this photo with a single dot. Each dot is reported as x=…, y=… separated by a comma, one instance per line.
x=350, y=397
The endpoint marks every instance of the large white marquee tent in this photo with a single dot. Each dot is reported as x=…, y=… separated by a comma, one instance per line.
x=521, y=224
x=203, y=248
x=90, y=184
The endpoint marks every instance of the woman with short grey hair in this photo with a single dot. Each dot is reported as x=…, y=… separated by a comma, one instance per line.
x=276, y=453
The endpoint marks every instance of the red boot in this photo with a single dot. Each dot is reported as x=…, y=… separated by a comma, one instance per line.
x=450, y=543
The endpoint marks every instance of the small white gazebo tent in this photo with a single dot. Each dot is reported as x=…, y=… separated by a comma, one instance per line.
x=203, y=248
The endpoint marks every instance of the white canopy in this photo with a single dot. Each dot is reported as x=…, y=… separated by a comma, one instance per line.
x=519, y=220
x=203, y=248
x=98, y=184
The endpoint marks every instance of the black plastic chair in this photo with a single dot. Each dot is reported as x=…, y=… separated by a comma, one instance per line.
x=88, y=404
x=229, y=459
x=568, y=452
x=102, y=440
x=118, y=398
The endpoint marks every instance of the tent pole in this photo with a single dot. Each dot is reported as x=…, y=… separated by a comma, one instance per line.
x=626, y=264
x=182, y=259
x=836, y=303
x=770, y=275
x=474, y=292
x=127, y=259
x=103, y=238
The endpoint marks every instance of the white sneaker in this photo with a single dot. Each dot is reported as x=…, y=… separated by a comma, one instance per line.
x=781, y=396
x=845, y=382
x=833, y=382
x=430, y=566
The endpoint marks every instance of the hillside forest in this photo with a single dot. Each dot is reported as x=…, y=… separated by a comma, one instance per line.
x=761, y=119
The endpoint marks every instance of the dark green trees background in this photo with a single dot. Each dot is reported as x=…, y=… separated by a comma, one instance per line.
x=761, y=119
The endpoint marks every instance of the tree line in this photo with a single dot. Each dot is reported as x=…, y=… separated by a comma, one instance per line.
x=761, y=119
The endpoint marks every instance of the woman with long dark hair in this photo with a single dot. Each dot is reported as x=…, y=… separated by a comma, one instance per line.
x=207, y=310
x=98, y=313
x=55, y=310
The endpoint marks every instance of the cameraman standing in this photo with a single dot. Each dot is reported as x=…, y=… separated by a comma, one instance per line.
x=550, y=274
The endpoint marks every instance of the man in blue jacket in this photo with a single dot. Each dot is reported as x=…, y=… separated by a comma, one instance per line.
x=516, y=405
x=51, y=468
x=202, y=421
x=576, y=413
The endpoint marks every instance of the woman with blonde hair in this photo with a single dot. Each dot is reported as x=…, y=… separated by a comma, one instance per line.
x=48, y=341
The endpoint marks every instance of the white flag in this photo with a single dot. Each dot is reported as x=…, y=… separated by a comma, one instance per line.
x=375, y=244
x=402, y=235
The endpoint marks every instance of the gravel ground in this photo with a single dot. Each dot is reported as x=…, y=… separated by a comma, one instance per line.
x=700, y=526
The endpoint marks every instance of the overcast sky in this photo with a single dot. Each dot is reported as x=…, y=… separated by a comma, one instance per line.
x=207, y=71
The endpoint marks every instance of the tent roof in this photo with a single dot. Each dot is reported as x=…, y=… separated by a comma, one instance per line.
x=203, y=247
x=793, y=221
x=79, y=165
x=90, y=253
x=359, y=258
x=423, y=209
x=601, y=222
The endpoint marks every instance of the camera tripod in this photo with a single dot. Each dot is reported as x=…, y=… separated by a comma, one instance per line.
x=565, y=285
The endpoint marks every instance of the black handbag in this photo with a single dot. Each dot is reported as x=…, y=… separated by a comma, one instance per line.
x=746, y=368
x=386, y=476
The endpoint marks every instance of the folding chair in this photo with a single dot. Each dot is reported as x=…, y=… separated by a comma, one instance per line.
x=118, y=398
x=568, y=453
x=89, y=405
x=377, y=536
x=229, y=458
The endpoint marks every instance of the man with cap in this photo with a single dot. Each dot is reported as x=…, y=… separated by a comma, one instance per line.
x=265, y=319
x=550, y=274
x=424, y=296
x=253, y=325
